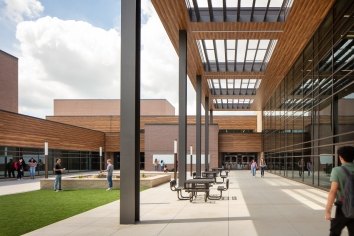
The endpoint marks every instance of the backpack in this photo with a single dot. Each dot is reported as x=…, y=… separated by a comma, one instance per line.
x=348, y=197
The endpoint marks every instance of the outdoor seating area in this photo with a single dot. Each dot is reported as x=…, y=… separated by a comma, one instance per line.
x=203, y=184
x=243, y=210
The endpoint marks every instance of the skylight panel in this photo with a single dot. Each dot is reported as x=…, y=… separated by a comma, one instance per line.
x=276, y=3
x=211, y=55
x=189, y=3
x=210, y=83
x=230, y=83
x=258, y=83
x=220, y=48
x=260, y=55
x=250, y=55
x=230, y=55
x=252, y=44
x=202, y=3
x=270, y=51
x=200, y=47
x=241, y=50
x=217, y=3
x=216, y=83
x=263, y=44
x=261, y=3
x=246, y=3
x=231, y=3
x=244, y=84
x=223, y=84
x=237, y=83
x=230, y=44
x=209, y=44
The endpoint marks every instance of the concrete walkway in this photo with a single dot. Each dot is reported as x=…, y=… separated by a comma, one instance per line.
x=251, y=207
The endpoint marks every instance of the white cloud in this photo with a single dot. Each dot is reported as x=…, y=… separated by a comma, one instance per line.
x=73, y=59
x=18, y=10
x=66, y=59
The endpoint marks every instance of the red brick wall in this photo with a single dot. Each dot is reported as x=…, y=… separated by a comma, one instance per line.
x=8, y=82
x=159, y=140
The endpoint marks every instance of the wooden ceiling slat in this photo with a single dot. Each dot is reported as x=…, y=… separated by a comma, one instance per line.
x=292, y=35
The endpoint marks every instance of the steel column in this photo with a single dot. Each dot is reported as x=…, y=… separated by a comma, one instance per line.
x=211, y=119
x=130, y=112
x=206, y=128
x=198, y=126
x=182, y=119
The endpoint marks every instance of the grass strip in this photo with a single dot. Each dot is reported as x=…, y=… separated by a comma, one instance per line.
x=24, y=212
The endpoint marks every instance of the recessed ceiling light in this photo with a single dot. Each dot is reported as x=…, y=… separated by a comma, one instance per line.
x=346, y=16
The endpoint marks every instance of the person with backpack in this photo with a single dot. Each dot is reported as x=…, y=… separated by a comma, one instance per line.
x=341, y=193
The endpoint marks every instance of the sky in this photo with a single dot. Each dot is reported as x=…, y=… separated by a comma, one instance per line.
x=70, y=49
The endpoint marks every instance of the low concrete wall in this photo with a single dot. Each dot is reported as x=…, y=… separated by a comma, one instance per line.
x=91, y=183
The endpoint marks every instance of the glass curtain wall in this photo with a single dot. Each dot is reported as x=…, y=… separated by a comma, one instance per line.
x=311, y=113
x=72, y=161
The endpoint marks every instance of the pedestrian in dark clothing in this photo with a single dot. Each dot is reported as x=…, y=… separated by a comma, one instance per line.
x=10, y=169
x=20, y=167
x=58, y=170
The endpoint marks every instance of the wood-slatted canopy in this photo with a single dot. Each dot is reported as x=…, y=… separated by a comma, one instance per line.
x=242, y=49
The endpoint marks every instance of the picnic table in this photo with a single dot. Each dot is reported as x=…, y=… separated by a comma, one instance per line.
x=193, y=186
x=210, y=174
x=219, y=169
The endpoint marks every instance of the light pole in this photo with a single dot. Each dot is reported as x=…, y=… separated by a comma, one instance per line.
x=191, y=160
x=46, y=159
x=100, y=158
x=175, y=157
x=6, y=170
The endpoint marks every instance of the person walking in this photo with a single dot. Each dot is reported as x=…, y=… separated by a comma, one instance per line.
x=263, y=165
x=109, y=170
x=20, y=167
x=10, y=169
x=301, y=166
x=58, y=170
x=309, y=167
x=253, y=167
x=336, y=193
x=156, y=164
x=32, y=167
x=162, y=164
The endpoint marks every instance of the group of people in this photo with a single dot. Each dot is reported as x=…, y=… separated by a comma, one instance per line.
x=20, y=167
x=59, y=170
x=254, y=167
x=160, y=165
x=301, y=165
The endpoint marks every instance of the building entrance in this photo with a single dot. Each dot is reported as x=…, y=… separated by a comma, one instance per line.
x=238, y=161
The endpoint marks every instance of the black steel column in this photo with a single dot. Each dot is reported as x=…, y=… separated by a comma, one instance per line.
x=182, y=107
x=130, y=112
x=206, y=128
x=211, y=117
x=198, y=122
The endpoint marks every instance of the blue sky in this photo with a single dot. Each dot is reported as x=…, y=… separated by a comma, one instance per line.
x=70, y=49
x=100, y=13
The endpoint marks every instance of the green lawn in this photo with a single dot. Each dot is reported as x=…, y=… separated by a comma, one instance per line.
x=25, y=212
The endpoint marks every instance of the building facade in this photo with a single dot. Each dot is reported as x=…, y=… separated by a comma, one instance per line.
x=311, y=113
x=8, y=82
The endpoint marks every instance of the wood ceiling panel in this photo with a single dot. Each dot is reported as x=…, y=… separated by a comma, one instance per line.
x=293, y=35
